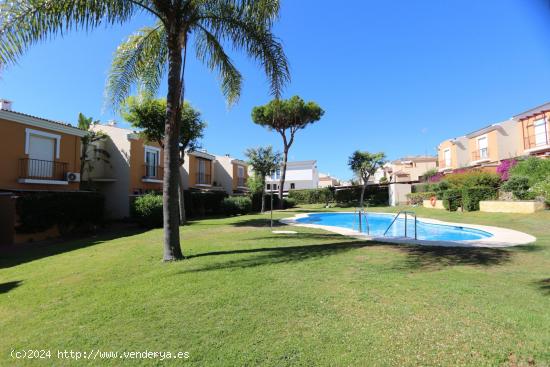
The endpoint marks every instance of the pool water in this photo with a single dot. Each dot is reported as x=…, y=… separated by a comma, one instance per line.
x=378, y=223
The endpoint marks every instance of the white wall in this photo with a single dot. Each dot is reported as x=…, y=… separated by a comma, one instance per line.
x=398, y=193
x=304, y=175
x=223, y=172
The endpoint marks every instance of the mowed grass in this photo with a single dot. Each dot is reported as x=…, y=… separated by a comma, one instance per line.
x=246, y=296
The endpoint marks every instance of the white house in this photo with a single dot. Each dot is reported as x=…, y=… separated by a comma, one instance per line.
x=299, y=175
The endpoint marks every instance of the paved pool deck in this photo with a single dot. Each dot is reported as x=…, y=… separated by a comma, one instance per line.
x=501, y=237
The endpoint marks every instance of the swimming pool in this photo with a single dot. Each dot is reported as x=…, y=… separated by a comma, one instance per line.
x=379, y=222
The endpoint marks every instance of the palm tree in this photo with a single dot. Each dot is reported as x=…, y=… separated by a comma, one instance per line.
x=152, y=52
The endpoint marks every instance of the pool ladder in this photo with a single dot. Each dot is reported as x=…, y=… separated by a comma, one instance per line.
x=406, y=212
x=360, y=213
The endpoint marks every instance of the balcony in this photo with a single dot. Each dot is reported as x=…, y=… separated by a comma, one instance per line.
x=203, y=179
x=39, y=171
x=533, y=143
x=480, y=155
x=152, y=174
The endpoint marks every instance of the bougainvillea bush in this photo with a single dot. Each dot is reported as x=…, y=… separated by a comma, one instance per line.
x=503, y=169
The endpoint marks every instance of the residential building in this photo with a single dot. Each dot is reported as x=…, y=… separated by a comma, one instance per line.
x=231, y=174
x=534, y=131
x=453, y=153
x=134, y=167
x=492, y=144
x=37, y=153
x=326, y=180
x=299, y=175
x=409, y=169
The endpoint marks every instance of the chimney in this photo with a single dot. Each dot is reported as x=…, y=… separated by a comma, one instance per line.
x=111, y=123
x=5, y=104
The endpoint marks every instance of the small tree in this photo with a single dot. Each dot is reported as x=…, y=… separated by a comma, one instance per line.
x=90, y=151
x=149, y=115
x=263, y=162
x=364, y=164
x=286, y=117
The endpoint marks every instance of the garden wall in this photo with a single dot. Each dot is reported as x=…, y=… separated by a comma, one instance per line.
x=428, y=204
x=522, y=207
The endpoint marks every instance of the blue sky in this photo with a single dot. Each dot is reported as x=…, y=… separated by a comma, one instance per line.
x=395, y=76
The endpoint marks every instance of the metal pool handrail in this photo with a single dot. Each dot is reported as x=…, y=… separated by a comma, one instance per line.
x=397, y=216
x=359, y=212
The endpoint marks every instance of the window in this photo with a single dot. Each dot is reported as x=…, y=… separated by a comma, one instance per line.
x=482, y=148
x=240, y=176
x=447, y=157
x=152, y=158
x=292, y=186
x=540, y=132
x=276, y=175
x=269, y=186
x=203, y=171
x=42, y=149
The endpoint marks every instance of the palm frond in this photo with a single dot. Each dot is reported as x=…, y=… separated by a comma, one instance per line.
x=24, y=23
x=247, y=25
x=211, y=52
x=140, y=60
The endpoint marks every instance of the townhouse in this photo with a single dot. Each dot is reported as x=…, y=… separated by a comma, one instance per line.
x=134, y=167
x=299, y=175
x=37, y=153
x=326, y=180
x=525, y=134
x=203, y=171
x=409, y=169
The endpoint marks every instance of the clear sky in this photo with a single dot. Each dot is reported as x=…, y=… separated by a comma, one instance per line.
x=397, y=76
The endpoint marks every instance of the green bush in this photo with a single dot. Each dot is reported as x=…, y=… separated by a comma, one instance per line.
x=199, y=204
x=452, y=199
x=147, y=210
x=535, y=169
x=472, y=178
x=519, y=186
x=471, y=196
x=423, y=187
x=417, y=198
x=374, y=195
x=237, y=205
x=289, y=203
x=311, y=196
x=72, y=212
x=542, y=189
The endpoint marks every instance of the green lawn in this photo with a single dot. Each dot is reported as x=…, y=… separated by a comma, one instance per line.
x=246, y=296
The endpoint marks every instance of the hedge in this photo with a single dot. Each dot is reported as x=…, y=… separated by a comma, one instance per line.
x=417, y=198
x=471, y=196
x=311, y=196
x=452, y=199
x=374, y=195
x=147, y=210
x=199, y=204
x=237, y=205
x=257, y=202
x=72, y=212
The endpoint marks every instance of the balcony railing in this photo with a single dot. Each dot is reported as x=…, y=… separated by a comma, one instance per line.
x=480, y=154
x=203, y=179
x=536, y=140
x=42, y=170
x=152, y=172
x=241, y=182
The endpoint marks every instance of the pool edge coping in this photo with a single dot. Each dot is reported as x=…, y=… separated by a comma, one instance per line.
x=502, y=237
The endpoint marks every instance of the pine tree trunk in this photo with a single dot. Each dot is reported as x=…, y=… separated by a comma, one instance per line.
x=362, y=194
x=263, y=199
x=170, y=191
x=283, y=177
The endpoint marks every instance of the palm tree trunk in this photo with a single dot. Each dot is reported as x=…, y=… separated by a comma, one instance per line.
x=170, y=191
x=283, y=177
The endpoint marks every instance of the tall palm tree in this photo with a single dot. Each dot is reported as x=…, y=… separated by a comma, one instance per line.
x=148, y=54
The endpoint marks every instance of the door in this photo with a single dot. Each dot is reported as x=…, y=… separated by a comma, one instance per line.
x=41, y=157
x=447, y=157
x=482, y=146
x=540, y=132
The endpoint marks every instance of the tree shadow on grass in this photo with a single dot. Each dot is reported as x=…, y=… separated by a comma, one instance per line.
x=23, y=253
x=437, y=257
x=275, y=255
x=544, y=286
x=8, y=286
x=258, y=222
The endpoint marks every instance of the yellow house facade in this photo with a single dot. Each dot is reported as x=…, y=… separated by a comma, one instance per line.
x=534, y=131
x=37, y=153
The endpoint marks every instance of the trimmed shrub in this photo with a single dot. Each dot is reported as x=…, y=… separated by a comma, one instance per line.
x=374, y=195
x=452, y=199
x=418, y=197
x=519, y=187
x=200, y=204
x=311, y=196
x=147, y=210
x=72, y=212
x=472, y=178
x=289, y=203
x=471, y=196
x=237, y=205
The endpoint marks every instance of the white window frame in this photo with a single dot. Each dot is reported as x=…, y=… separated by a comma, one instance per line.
x=447, y=164
x=151, y=149
x=29, y=132
x=485, y=138
x=240, y=171
x=538, y=123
